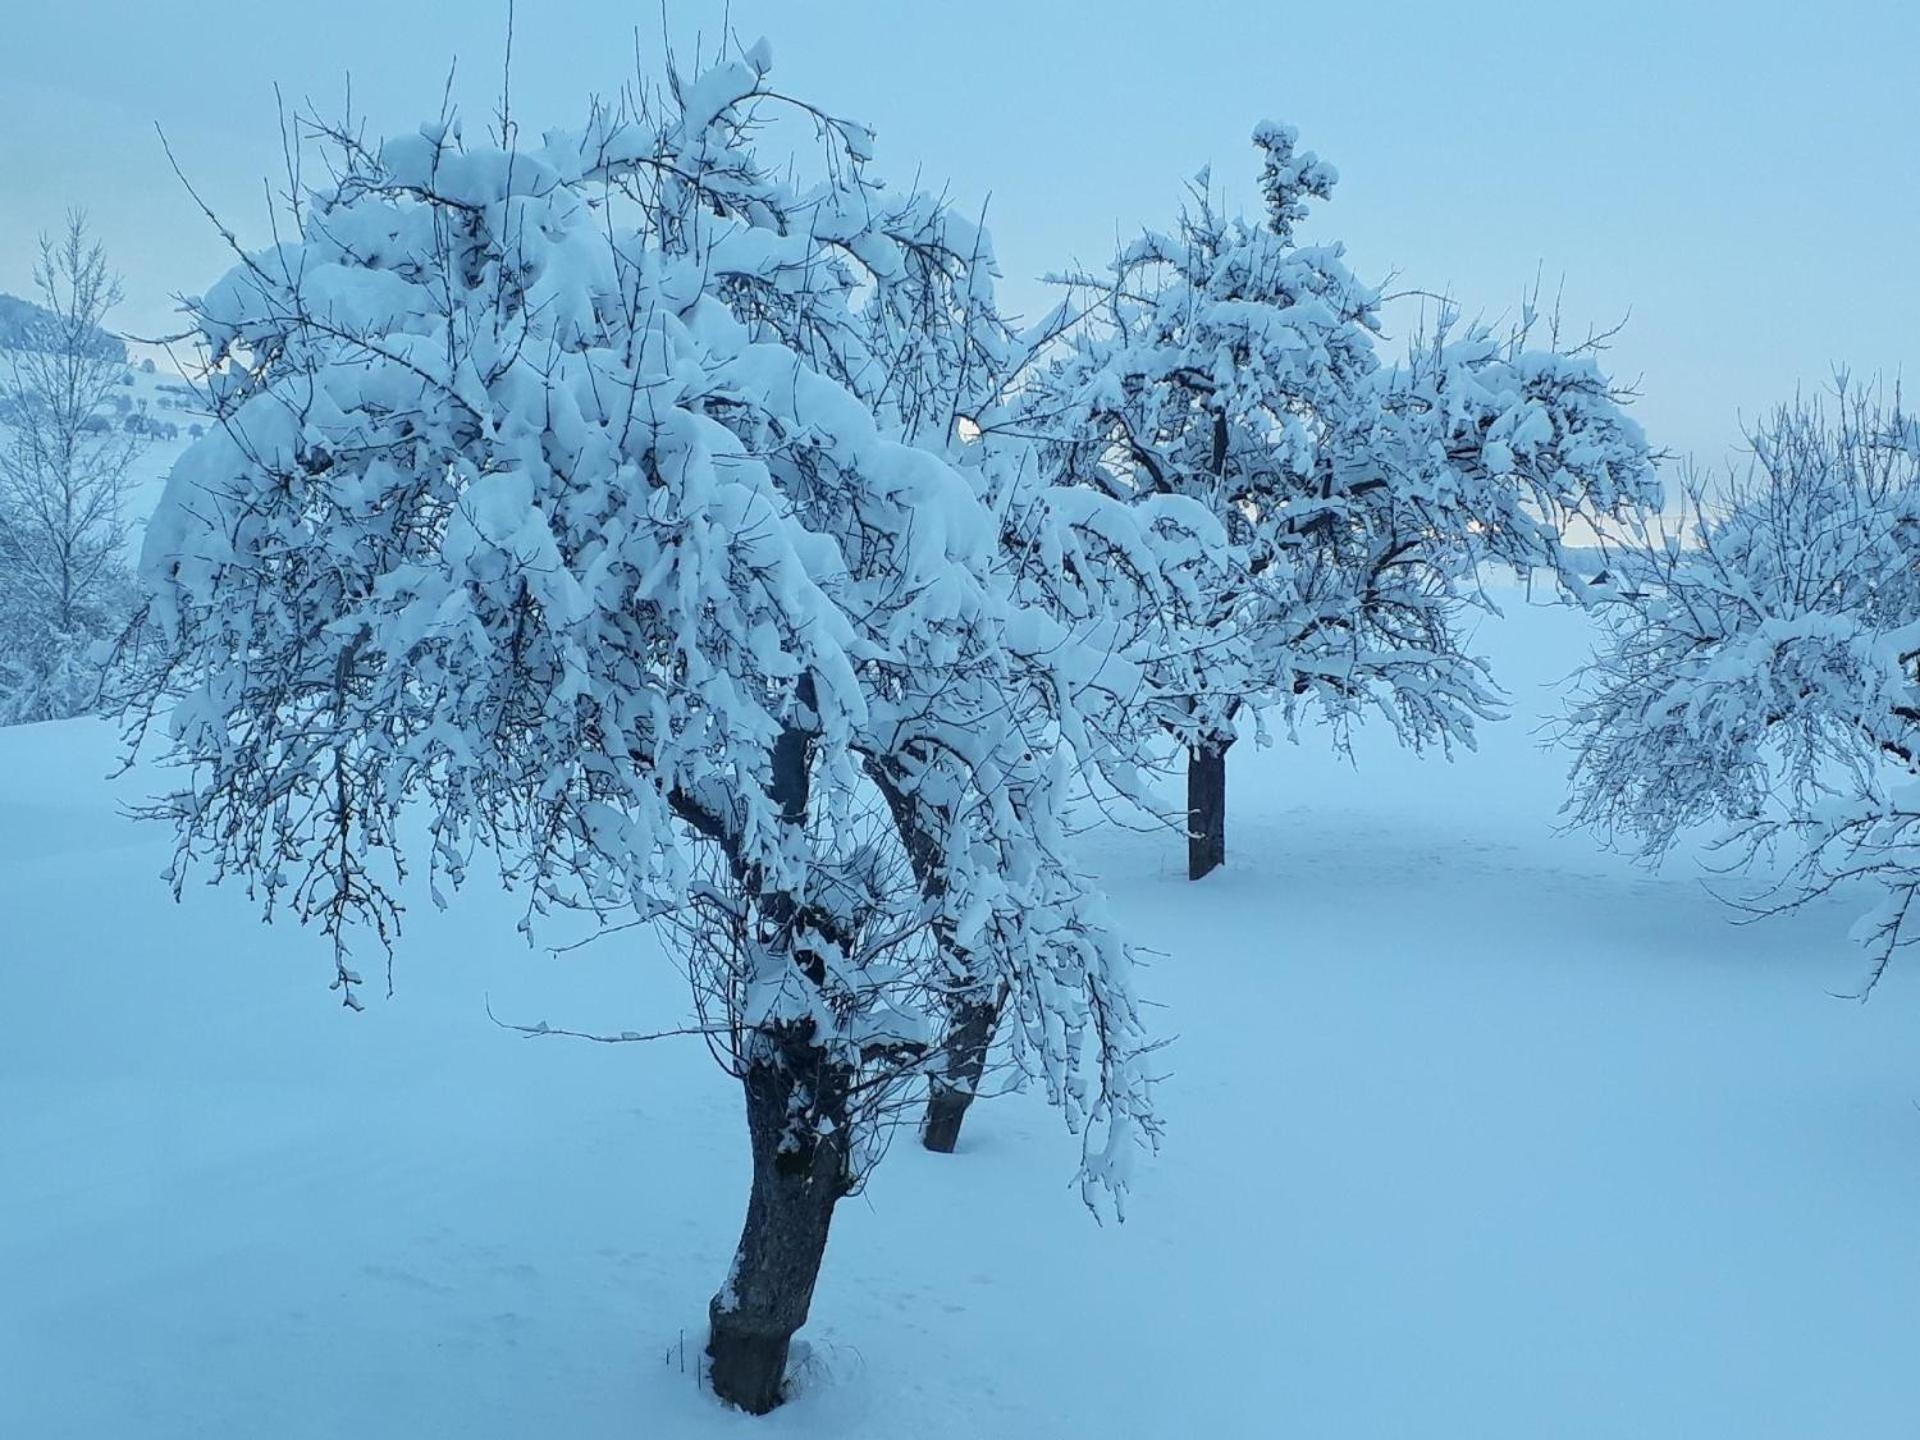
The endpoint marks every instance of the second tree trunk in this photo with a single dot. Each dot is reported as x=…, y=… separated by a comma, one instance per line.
x=1206, y=807
x=954, y=1087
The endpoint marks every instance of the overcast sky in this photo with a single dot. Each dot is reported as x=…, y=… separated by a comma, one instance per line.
x=1744, y=179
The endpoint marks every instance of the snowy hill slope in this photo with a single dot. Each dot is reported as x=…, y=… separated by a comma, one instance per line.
x=25, y=324
x=1473, y=1130
x=172, y=402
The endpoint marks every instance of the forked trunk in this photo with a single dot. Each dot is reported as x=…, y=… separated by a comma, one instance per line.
x=797, y=1123
x=1206, y=807
x=955, y=1085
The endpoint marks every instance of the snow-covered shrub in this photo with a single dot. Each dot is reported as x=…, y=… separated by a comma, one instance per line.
x=1761, y=665
x=597, y=502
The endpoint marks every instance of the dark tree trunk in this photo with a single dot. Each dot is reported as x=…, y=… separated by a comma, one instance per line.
x=956, y=1084
x=1206, y=807
x=801, y=1168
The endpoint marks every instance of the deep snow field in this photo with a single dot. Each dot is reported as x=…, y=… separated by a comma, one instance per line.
x=167, y=396
x=1473, y=1131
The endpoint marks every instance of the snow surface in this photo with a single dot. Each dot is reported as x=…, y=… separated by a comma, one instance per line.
x=1473, y=1130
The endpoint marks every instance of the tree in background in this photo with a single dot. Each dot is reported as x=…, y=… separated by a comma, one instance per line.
x=65, y=586
x=553, y=504
x=1216, y=475
x=1230, y=364
x=1761, y=667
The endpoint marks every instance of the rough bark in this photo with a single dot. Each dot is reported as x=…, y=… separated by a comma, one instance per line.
x=954, y=1086
x=1206, y=807
x=797, y=1123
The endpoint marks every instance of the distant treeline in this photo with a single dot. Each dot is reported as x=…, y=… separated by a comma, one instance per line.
x=25, y=326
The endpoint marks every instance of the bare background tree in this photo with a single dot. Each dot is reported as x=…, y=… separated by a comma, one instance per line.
x=65, y=469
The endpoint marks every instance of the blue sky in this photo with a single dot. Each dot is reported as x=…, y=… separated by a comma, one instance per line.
x=1740, y=179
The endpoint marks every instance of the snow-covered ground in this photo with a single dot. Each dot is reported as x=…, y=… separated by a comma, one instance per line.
x=1473, y=1131
x=168, y=398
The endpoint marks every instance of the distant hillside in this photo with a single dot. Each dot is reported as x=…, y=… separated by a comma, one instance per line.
x=22, y=323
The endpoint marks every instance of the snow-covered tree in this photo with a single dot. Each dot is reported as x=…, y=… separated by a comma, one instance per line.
x=1091, y=577
x=65, y=585
x=588, y=505
x=1761, y=667
x=1211, y=479
x=1231, y=364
